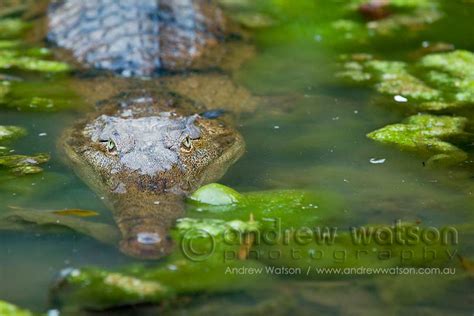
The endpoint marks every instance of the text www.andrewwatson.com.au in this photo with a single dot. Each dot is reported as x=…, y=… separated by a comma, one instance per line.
x=382, y=271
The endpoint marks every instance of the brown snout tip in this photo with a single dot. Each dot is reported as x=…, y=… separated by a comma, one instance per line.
x=147, y=245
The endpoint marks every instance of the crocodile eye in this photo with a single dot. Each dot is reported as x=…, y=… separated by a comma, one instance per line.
x=111, y=146
x=187, y=143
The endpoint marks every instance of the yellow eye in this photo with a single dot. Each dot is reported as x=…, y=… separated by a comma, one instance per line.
x=111, y=145
x=187, y=143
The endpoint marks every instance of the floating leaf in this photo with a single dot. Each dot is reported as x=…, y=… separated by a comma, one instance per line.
x=76, y=212
x=467, y=265
x=31, y=220
x=216, y=194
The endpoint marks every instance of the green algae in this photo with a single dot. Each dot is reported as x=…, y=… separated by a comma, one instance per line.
x=8, y=133
x=22, y=59
x=453, y=71
x=215, y=227
x=165, y=283
x=7, y=309
x=23, y=164
x=398, y=4
x=4, y=89
x=291, y=207
x=410, y=15
x=179, y=276
x=15, y=59
x=389, y=77
x=15, y=54
x=394, y=79
x=426, y=134
x=436, y=82
x=18, y=164
x=50, y=95
x=413, y=21
x=459, y=63
x=12, y=28
x=253, y=20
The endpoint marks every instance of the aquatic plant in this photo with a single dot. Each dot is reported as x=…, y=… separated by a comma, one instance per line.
x=8, y=133
x=182, y=273
x=436, y=82
x=18, y=164
x=18, y=58
x=452, y=72
x=426, y=134
x=12, y=28
x=7, y=309
x=14, y=54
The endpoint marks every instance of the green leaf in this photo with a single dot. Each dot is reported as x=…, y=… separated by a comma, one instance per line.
x=46, y=221
x=216, y=194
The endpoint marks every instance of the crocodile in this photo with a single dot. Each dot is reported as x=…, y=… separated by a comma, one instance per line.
x=143, y=150
x=143, y=154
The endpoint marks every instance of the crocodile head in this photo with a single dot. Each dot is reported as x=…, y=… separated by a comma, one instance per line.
x=143, y=160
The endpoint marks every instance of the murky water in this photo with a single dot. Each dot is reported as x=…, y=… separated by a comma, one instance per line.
x=311, y=135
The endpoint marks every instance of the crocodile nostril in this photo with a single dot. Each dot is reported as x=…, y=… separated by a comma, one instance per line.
x=148, y=238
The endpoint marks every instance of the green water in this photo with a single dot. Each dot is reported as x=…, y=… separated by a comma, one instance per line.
x=310, y=136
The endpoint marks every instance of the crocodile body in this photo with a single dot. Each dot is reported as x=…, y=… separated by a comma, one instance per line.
x=139, y=37
x=144, y=149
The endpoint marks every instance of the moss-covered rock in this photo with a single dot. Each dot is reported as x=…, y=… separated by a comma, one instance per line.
x=426, y=134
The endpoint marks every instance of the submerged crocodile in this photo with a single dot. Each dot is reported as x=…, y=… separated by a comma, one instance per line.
x=140, y=37
x=144, y=150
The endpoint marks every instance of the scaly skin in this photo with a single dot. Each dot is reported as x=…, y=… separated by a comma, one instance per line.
x=139, y=37
x=146, y=202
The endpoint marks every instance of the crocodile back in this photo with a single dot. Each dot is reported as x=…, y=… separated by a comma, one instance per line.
x=138, y=37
